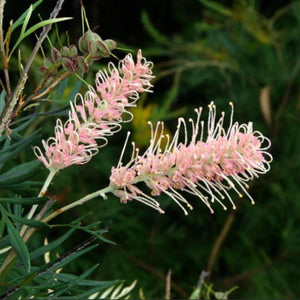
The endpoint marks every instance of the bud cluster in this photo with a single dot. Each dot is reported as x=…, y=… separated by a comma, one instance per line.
x=92, y=48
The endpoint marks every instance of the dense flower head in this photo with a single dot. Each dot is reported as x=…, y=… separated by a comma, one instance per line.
x=207, y=168
x=97, y=114
x=68, y=147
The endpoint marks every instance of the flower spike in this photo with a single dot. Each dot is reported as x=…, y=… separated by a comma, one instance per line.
x=207, y=168
x=97, y=114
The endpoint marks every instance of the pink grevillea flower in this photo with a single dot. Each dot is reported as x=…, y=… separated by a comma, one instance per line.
x=205, y=167
x=97, y=114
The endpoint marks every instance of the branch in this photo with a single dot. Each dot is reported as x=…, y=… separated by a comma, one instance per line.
x=10, y=105
x=233, y=280
x=2, y=3
x=219, y=241
x=2, y=50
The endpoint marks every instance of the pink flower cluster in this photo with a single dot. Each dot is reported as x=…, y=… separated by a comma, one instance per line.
x=207, y=169
x=97, y=114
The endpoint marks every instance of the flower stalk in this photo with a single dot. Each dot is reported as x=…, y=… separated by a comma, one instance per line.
x=207, y=168
x=41, y=194
x=97, y=114
x=100, y=193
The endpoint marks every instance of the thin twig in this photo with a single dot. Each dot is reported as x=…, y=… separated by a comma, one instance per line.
x=195, y=64
x=7, y=112
x=53, y=84
x=201, y=279
x=230, y=281
x=7, y=80
x=81, y=246
x=2, y=50
x=2, y=85
x=219, y=241
x=10, y=105
x=154, y=272
x=2, y=3
x=168, y=285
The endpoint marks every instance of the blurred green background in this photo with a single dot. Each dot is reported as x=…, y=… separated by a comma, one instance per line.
x=246, y=52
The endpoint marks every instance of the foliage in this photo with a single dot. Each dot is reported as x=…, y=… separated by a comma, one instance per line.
x=24, y=272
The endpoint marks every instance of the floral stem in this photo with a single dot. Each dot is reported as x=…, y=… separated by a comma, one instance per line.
x=219, y=241
x=42, y=192
x=100, y=193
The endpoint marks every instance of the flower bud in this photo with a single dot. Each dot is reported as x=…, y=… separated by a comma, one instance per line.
x=43, y=70
x=69, y=65
x=55, y=55
x=64, y=51
x=69, y=52
x=73, y=51
x=84, y=40
x=92, y=44
x=110, y=44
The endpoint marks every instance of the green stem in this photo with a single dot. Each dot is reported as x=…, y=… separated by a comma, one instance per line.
x=100, y=193
x=12, y=253
x=41, y=194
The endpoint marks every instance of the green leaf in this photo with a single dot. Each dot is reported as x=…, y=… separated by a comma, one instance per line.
x=24, y=201
x=105, y=240
x=2, y=101
x=18, y=245
x=76, y=280
x=84, y=282
x=71, y=258
x=217, y=7
x=99, y=288
x=46, y=248
x=31, y=223
x=58, y=100
x=4, y=241
x=152, y=31
x=195, y=294
x=19, y=173
x=2, y=222
x=75, y=89
x=20, y=20
x=61, y=89
x=30, y=119
x=25, y=23
x=13, y=135
x=23, y=186
x=34, y=28
x=16, y=148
